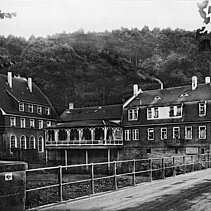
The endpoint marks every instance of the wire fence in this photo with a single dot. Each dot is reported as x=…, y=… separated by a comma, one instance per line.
x=56, y=184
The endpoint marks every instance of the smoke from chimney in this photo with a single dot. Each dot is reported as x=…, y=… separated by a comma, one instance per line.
x=149, y=78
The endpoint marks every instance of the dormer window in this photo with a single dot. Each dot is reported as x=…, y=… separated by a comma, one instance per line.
x=149, y=113
x=156, y=114
x=47, y=111
x=171, y=111
x=132, y=114
x=202, y=109
x=21, y=106
x=30, y=108
x=157, y=98
x=179, y=110
x=39, y=109
x=184, y=95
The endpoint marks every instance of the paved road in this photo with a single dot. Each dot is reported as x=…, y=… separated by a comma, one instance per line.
x=190, y=192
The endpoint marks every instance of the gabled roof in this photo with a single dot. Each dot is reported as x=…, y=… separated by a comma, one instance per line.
x=19, y=92
x=170, y=96
x=109, y=112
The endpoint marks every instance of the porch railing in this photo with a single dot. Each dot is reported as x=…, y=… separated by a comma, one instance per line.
x=84, y=142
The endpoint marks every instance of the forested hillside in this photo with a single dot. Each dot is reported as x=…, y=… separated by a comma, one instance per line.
x=100, y=68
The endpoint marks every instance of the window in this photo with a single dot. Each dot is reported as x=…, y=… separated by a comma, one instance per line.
x=176, y=132
x=32, y=142
x=132, y=114
x=135, y=134
x=171, y=111
x=40, y=144
x=23, y=122
x=163, y=133
x=12, y=121
x=13, y=142
x=31, y=123
x=40, y=124
x=30, y=108
x=39, y=109
x=47, y=111
x=48, y=123
x=156, y=115
x=21, y=107
x=149, y=150
x=202, y=109
x=150, y=134
x=157, y=98
x=179, y=110
x=149, y=113
x=23, y=142
x=202, y=132
x=127, y=135
x=188, y=132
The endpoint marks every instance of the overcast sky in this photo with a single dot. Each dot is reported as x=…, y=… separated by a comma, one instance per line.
x=47, y=17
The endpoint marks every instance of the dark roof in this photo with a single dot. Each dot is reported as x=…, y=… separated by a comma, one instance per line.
x=109, y=112
x=173, y=95
x=86, y=123
x=20, y=93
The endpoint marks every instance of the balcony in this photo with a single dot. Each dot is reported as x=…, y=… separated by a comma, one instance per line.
x=82, y=138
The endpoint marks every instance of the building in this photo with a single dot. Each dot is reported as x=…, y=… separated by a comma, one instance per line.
x=168, y=121
x=24, y=113
x=85, y=135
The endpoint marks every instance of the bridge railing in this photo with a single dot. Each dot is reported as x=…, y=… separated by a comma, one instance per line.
x=60, y=183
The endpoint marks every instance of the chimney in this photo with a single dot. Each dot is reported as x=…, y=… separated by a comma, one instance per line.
x=9, y=78
x=71, y=105
x=30, y=84
x=207, y=80
x=194, y=82
x=135, y=89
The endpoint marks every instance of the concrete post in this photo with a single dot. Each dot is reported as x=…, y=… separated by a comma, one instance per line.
x=13, y=185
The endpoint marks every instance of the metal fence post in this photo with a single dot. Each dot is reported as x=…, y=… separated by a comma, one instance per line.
x=163, y=168
x=115, y=176
x=150, y=169
x=192, y=163
x=92, y=179
x=199, y=163
x=174, y=170
x=60, y=183
x=134, y=172
x=184, y=165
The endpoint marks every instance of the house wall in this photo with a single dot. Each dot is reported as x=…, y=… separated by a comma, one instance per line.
x=159, y=147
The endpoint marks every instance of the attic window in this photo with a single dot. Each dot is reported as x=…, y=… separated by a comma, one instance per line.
x=157, y=98
x=184, y=95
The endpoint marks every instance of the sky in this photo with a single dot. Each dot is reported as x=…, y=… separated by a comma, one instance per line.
x=47, y=17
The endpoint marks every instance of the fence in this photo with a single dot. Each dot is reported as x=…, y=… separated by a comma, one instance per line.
x=60, y=183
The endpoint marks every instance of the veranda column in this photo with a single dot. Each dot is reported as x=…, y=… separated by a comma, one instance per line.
x=80, y=134
x=56, y=132
x=105, y=133
x=92, y=134
x=113, y=134
x=68, y=134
